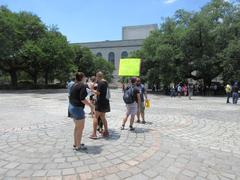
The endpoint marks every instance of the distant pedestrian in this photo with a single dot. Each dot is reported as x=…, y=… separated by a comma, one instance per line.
x=190, y=91
x=228, y=90
x=185, y=90
x=172, y=90
x=102, y=105
x=143, y=97
x=179, y=90
x=78, y=101
x=132, y=100
x=235, y=93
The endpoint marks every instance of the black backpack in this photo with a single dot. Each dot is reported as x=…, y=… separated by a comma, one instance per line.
x=128, y=95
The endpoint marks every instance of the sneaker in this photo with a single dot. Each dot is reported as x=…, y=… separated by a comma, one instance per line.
x=74, y=146
x=138, y=121
x=81, y=148
x=131, y=128
x=122, y=128
x=143, y=122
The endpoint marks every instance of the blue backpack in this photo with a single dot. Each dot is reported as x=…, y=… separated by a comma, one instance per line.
x=128, y=95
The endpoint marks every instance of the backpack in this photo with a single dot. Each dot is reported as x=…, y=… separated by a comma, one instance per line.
x=128, y=95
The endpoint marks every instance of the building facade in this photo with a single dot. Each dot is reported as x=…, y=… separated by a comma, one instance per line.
x=112, y=51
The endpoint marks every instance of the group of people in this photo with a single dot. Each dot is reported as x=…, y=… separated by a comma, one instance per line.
x=78, y=91
x=134, y=96
x=232, y=91
x=182, y=89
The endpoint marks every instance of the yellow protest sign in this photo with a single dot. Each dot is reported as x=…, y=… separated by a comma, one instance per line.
x=129, y=67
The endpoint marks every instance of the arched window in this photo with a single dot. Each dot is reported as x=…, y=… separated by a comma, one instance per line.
x=111, y=58
x=99, y=54
x=124, y=54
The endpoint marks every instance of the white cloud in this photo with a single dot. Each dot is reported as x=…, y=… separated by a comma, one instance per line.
x=169, y=1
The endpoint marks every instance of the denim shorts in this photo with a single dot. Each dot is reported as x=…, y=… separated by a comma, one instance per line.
x=77, y=112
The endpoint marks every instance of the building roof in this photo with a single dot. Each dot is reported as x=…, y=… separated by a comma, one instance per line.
x=112, y=44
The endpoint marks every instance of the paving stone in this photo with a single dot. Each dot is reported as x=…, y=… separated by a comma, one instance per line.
x=68, y=171
x=55, y=172
x=189, y=173
x=40, y=173
x=182, y=140
x=123, y=174
x=13, y=172
x=11, y=165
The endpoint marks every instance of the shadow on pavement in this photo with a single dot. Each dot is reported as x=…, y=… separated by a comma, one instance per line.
x=141, y=130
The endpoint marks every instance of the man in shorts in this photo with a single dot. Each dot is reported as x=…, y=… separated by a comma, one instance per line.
x=132, y=107
x=143, y=94
x=102, y=105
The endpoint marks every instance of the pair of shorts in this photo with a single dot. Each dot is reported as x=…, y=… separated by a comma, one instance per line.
x=142, y=107
x=132, y=109
x=77, y=112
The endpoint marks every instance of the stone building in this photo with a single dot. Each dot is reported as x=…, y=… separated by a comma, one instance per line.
x=113, y=51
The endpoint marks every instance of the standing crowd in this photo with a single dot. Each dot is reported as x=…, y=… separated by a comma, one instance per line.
x=232, y=91
x=134, y=96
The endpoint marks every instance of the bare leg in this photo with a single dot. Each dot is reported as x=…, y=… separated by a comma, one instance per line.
x=138, y=115
x=125, y=119
x=132, y=120
x=104, y=120
x=75, y=134
x=79, y=130
x=95, y=123
x=143, y=116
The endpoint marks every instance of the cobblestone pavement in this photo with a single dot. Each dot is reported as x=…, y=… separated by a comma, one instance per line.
x=198, y=139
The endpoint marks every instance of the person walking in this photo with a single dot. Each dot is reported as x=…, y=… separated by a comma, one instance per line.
x=102, y=105
x=235, y=93
x=143, y=97
x=78, y=94
x=132, y=100
x=179, y=90
x=172, y=90
x=190, y=91
x=228, y=90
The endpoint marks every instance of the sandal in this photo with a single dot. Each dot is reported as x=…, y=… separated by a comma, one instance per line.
x=93, y=137
x=105, y=134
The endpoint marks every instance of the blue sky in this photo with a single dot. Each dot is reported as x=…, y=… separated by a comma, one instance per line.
x=99, y=20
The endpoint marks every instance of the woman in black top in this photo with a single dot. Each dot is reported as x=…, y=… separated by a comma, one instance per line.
x=101, y=106
x=78, y=94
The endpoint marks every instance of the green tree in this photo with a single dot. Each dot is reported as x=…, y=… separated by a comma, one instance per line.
x=84, y=60
x=33, y=55
x=57, y=61
x=105, y=67
x=15, y=29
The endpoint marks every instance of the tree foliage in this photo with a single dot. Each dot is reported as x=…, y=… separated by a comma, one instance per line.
x=28, y=45
x=199, y=45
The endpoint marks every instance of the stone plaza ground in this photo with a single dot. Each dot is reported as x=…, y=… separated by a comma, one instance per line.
x=183, y=139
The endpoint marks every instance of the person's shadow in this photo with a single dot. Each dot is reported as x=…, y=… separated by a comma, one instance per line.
x=92, y=149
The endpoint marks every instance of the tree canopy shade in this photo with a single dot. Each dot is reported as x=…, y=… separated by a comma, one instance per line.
x=199, y=45
x=28, y=45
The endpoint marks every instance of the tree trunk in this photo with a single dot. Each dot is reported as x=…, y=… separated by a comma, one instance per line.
x=35, y=79
x=46, y=77
x=13, y=75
